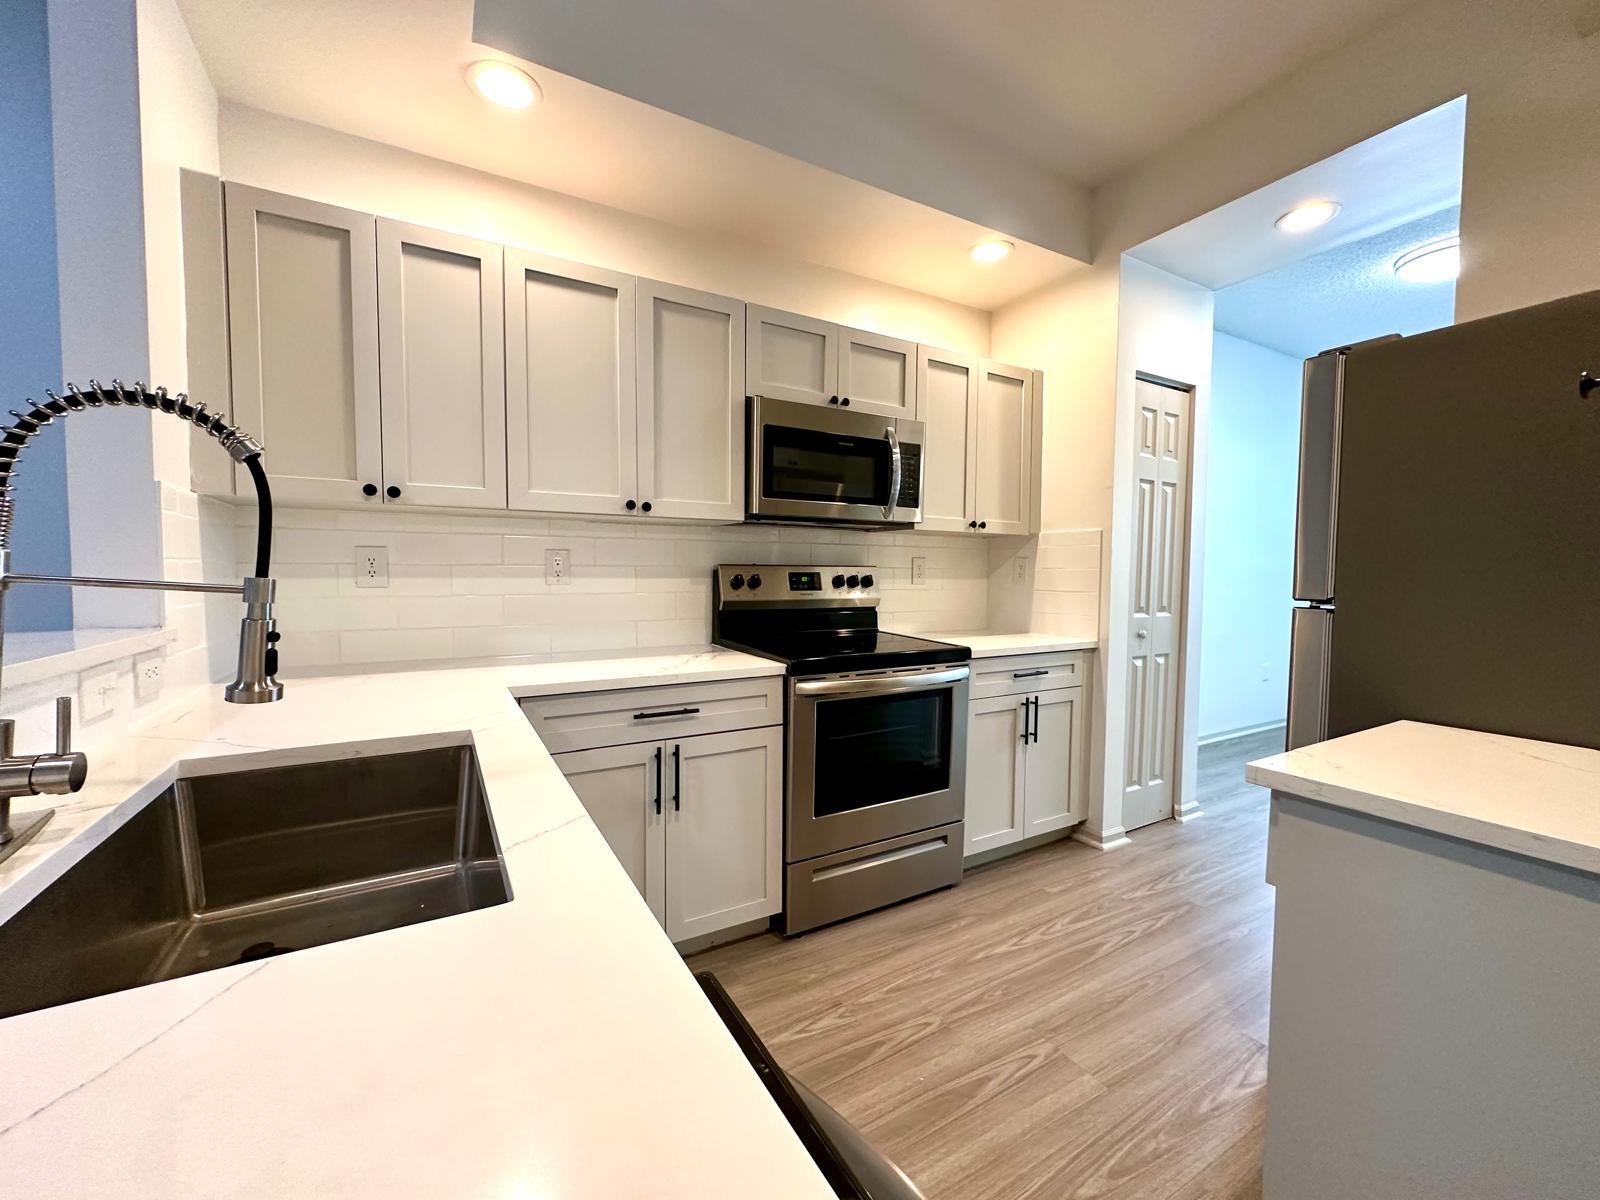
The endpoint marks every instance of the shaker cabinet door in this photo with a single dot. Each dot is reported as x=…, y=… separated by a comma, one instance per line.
x=790, y=357
x=571, y=424
x=620, y=787
x=1049, y=773
x=690, y=403
x=303, y=331
x=877, y=374
x=947, y=385
x=994, y=773
x=441, y=330
x=1005, y=449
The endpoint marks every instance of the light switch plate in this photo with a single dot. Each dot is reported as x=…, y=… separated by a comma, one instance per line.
x=97, y=694
x=372, y=566
x=557, y=567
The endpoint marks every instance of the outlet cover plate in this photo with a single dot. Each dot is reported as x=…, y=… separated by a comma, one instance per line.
x=557, y=567
x=147, y=676
x=372, y=566
x=919, y=571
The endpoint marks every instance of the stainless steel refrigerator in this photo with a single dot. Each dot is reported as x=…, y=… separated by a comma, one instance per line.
x=1447, y=553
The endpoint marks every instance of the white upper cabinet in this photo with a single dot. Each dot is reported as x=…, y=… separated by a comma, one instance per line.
x=1004, y=445
x=877, y=374
x=303, y=327
x=691, y=375
x=441, y=333
x=570, y=375
x=790, y=357
x=947, y=383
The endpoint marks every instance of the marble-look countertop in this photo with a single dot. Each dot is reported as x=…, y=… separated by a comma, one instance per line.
x=554, y=1046
x=1537, y=799
x=994, y=645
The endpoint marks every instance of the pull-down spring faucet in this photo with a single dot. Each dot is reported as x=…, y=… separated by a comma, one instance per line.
x=65, y=769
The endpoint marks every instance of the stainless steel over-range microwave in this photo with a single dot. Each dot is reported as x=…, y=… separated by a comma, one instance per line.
x=818, y=465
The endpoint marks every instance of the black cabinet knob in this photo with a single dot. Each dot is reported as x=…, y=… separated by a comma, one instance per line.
x=645, y=507
x=369, y=489
x=630, y=505
x=852, y=581
x=866, y=581
x=392, y=492
x=737, y=583
x=755, y=582
x=972, y=524
x=983, y=524
x=845, y=403
x=833, y=399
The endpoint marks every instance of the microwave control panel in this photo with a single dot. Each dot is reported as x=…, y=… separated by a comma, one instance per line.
x=910, y=477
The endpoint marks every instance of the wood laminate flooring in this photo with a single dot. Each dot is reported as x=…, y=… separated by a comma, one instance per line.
x=1066, y=1023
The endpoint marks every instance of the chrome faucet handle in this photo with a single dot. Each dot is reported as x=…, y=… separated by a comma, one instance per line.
x=63, y=724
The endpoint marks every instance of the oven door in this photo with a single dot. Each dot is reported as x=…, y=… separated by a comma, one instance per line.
x=874, y=756
x=820, y=464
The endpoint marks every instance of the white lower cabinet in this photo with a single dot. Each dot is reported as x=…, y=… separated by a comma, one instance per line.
x=1025, y=765
x=697, y=822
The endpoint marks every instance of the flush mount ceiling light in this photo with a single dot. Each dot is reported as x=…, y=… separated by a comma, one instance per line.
x=1431, y=262
x=991, y=250
x=503, y=84
x=1308, y=216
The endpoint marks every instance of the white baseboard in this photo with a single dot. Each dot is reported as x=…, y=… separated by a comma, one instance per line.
x=1228, y=735
x=1105, y=839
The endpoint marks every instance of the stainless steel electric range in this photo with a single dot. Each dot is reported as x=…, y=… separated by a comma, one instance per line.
x=875, y=752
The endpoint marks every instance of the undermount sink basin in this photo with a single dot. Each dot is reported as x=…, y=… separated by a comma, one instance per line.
x=230, y=868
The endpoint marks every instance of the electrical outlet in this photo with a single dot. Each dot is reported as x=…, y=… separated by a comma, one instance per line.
x=147, y=676
x=372, y=566
x=557, y=567
x=1266, y=672
x=1019, y=568
x=919, y=571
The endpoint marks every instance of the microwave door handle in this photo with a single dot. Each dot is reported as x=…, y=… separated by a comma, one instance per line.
x=895, y=472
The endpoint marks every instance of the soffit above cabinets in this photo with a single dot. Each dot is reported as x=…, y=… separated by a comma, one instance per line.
x=393, y=71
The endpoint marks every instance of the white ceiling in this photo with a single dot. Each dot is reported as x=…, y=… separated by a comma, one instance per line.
x=1343, y=295
x=1391, y=178
x=392, y=71
x=1083, y=88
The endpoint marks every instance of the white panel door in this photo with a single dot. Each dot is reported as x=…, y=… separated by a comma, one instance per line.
x=623, y=790
x=724, y=830
x=1005, y=449
x=441, y=338
x=571, y=422
x=303, y=330
x=691, y=403
x=1053, y=755
x=790, y=357
x=947, y=392
x=995, y=814
x=877, y=374
x=1161, y=451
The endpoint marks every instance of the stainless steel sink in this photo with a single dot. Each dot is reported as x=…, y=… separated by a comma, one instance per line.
x=230, y=868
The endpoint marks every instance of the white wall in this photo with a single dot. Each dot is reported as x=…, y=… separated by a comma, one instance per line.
x=284, y=155
x=1249, y=536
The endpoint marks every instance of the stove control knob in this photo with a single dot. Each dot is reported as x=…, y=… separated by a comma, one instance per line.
x=853, y=581
x=736, y=583
x=838, y=581
x=755, y=582
x=866, y=581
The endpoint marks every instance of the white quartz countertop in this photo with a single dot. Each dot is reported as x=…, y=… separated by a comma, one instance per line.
x=554, y=1046
x=1536, y=799
x=994, y=645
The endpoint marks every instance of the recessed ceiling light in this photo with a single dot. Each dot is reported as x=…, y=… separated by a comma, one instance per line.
x=1307, y=216
x=991, y=250
x=1431, y=262
x=503, y=84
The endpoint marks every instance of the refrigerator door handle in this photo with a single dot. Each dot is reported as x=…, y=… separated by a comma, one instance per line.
x=1310, y=656
x=1317, y=502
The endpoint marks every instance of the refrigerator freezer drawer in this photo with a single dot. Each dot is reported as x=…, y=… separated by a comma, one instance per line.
x=1317, y=507
x=1310, y=656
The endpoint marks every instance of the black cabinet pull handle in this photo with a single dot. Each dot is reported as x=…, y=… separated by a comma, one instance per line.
x=369, y=489
x=1024, y=720
x=1036, y=718
x=1030, y=674
x=658, y=781
x=392, y=492
x=677, y=777
x=665, y=712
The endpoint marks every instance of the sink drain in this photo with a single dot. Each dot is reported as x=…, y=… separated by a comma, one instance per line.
x=260, y=950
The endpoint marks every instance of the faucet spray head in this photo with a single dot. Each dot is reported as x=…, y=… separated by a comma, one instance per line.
x=258, y=653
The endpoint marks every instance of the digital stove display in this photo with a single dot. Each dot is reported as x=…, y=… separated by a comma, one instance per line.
x=805, y=581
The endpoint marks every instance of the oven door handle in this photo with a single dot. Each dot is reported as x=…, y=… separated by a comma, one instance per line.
x=896, y=471
x=882, y=685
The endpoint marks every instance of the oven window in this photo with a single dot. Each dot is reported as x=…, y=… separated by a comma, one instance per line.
x=804, y=464
x=880, y=748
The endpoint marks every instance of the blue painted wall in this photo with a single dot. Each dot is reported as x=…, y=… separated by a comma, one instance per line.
x=30, y=329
